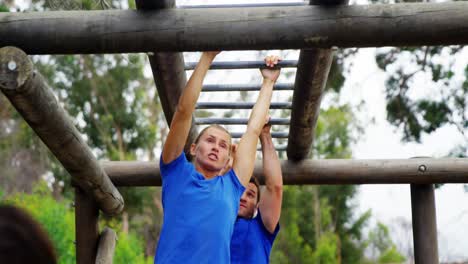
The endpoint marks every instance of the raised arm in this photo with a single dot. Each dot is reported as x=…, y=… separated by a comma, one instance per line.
x=270, y=203
x=182, y=119
x=244, y=159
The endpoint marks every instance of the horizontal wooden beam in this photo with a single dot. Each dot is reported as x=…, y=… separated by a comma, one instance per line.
x=329, y=171
x=244, y=5
x=154, y=4
x=295, y=27
x=33, y=99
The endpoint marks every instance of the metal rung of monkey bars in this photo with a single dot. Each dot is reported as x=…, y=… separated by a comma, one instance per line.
x=244, y=87
x=240, y=105
x=236, y=121
x=235, y=65
x=279, y=148
x=273, y=134
x=245, y=5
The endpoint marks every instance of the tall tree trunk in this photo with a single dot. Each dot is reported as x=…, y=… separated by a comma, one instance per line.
x=120, y=142
x=338, y=249
x=317, y=215
x=125, y=222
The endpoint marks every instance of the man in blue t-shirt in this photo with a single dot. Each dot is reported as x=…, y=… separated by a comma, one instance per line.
x=257, y=221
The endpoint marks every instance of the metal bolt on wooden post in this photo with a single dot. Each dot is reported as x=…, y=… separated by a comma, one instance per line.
x=423, y=212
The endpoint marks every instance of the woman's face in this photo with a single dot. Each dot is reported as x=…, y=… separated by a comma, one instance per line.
x=212, y=150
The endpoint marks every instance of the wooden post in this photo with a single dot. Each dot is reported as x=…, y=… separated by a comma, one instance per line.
x=168, y=73
x=424, y=224
x=86, y=227
x=311, y=80
x=196, y=29
x=34, y=100
x=329, y=171
x=106, y=247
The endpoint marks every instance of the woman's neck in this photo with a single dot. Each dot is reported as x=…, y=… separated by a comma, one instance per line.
x=208, y=174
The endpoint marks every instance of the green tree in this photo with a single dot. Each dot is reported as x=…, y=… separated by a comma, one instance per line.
x=112, y=104
x=446, y=83
x=23, y=158
x=382, y=248
x=58, y=220
x=425, y=114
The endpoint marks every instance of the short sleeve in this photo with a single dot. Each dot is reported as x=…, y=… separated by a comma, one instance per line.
x=231, y=174
x=174, y=168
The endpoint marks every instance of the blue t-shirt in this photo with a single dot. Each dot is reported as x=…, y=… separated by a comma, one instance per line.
x=251, y=242
x=199, y=214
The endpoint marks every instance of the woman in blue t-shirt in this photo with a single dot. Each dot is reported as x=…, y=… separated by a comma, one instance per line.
x=200, y=205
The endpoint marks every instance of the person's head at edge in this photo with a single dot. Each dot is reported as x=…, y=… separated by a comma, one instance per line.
x=22, y=239
x=211, y=150
x=250, y=199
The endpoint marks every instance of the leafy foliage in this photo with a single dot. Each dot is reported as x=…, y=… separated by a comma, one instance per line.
x=58, y=219
x=428, y=111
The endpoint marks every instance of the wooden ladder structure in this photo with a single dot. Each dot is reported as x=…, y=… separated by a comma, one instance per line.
x=164, y=31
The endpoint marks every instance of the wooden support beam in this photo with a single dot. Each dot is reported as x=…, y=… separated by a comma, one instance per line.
x=86, y=227
x=295, y=27
x=311, y=79
x=423, y=212
x=154, y=4
x=244, y=5
x=169, y=77
x=33, y=99
x=168, y=72
x=329, y=171
x=106, y=247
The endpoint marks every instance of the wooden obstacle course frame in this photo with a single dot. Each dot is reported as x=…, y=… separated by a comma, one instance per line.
x=164, y=31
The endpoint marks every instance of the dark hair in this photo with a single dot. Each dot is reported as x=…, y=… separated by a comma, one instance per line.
x=254, y=180
x=22, y=239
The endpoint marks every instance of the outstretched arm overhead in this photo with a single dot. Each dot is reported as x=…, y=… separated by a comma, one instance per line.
x=182, y=120
x=270, y=203
x=244, y=159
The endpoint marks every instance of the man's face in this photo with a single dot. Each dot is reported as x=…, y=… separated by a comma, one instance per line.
x=212, y=150
x=248, y=201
